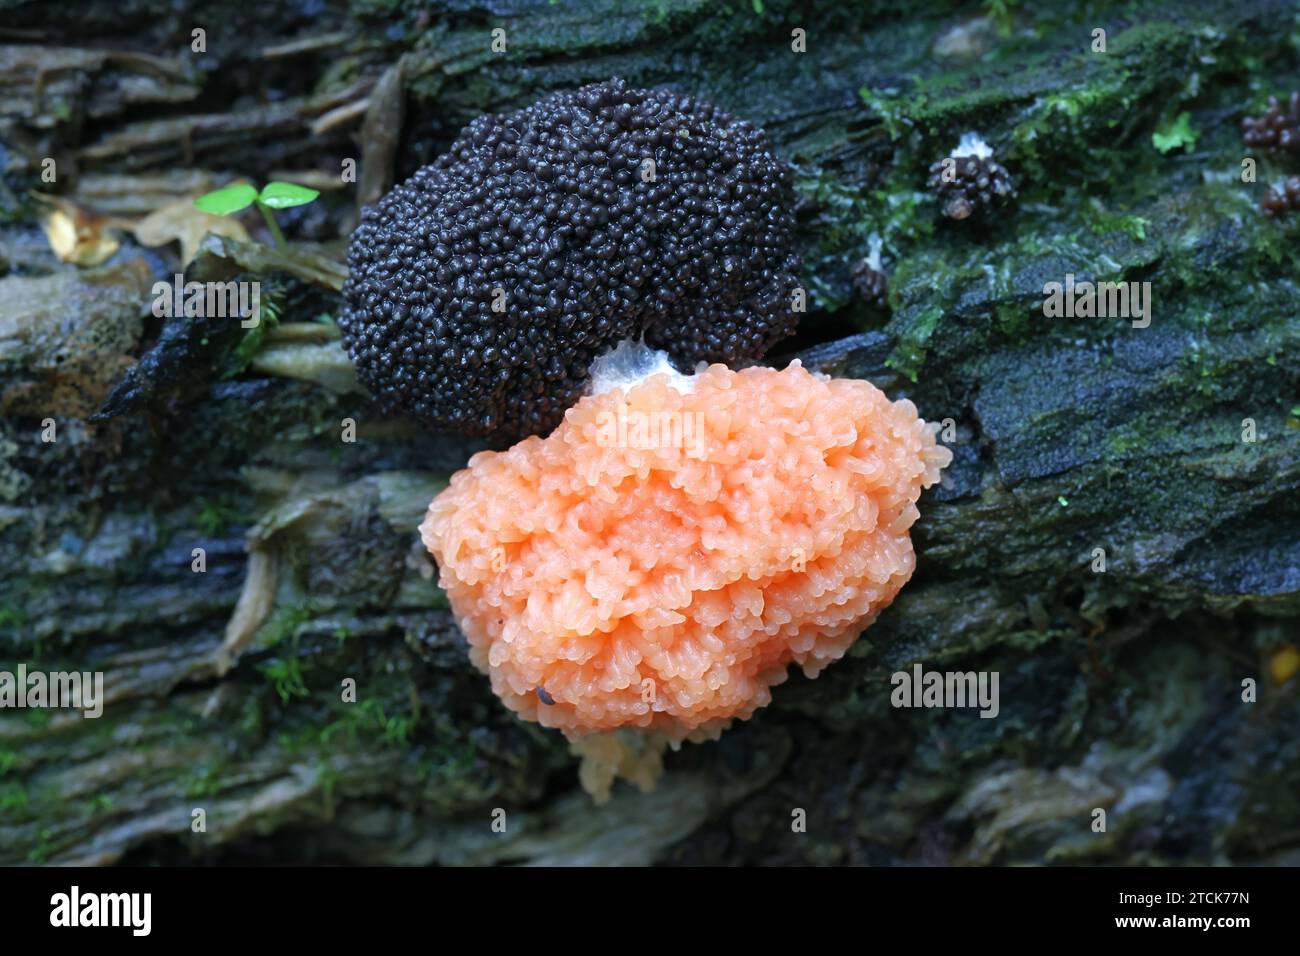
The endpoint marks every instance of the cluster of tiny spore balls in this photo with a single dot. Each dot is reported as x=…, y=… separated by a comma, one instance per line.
x=977, y=184
x=482, y=288
x=1279, y=200
x=1277, y=129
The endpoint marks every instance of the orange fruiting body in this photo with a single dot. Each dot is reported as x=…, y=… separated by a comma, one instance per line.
x=662, y=558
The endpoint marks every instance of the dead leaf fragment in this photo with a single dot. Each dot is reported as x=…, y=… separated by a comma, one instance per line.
x=75, y=234
x=181, y=221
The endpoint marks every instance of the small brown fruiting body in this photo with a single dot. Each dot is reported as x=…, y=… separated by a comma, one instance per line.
x=1277, y=128
x=970, y=180
x=872, y=284
x=1281, y=198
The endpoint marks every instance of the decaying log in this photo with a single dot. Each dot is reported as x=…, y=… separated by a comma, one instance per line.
x=1173, y=450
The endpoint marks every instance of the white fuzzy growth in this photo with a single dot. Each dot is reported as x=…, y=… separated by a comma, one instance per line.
x=972, y=144
x=873, y=256
x=631, y=363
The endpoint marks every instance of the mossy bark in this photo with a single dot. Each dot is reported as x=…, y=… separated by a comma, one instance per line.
x=1120, y=690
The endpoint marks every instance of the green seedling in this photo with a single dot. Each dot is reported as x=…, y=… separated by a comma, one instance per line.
x=274, y=195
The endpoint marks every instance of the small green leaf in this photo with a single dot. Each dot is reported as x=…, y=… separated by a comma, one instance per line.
x=280, y=195
x=227, y=199
x=1169, y=136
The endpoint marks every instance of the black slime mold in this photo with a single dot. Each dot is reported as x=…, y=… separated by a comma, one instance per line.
x=482, y=288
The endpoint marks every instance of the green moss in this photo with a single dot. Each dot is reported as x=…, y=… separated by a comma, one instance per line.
x=449, y=760
x=291, y=743
x=13, y=620
x=1174, y=134
x=367, y=718
x=1102, y=222
x=270, y=303
x=203, y=781
x=100, y=803
x=909, y=354
x=287, y=671
x=216, y=515
x=894, y=109
x=252, y=718
x=45, y=848
x=1125, y=441
x=13, y=802
x=1002, y=13
x=286, y=676
x=843, y=231
x=284, y=622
